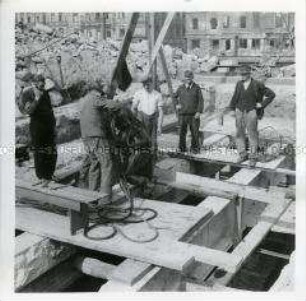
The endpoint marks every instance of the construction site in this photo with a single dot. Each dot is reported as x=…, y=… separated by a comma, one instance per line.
x=209, y=222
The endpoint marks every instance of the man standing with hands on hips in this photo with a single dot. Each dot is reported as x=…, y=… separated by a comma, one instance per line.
x=189, y=104
x=249, y=100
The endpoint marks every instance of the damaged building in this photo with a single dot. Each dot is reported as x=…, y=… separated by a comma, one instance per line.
x=242, y=36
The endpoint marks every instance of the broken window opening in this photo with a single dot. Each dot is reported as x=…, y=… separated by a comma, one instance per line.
x=213, y=23
x=215, y=44
x=243, y=22
x=243, y=43
x=227, y=44
x=226, y=22
x=195, y=44
x=256, y=43
x=195, y=23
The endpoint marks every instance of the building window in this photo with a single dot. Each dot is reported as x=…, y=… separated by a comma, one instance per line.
x=195, y=23
x=215, y=44
x=60, y=16
x=97, y=15
x=243, y=22
x=195, y=44
x=213, y=23
x=274, y=43
x=256, y=43
x=75, y=17
x=108, y=34
x=278, y=20
x=227, y=44
x=226, y=22
x=122, y=32
x=243, y=43
x=29, y=19
x=37, y=18
x=256, y=20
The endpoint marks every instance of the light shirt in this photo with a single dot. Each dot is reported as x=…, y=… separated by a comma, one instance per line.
x=146, y=102
x=246, y=83
x=189, y=86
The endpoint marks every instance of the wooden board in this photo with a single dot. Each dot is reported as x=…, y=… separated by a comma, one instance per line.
x=64, y=196
x=227, y=189
x=160, y=39
x=213, y=139
x=172, y=222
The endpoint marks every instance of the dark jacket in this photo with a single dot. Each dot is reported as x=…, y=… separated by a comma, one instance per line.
x=245, y=100
x=191, y=99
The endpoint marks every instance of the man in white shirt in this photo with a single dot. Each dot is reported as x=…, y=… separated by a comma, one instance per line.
x=148, y=104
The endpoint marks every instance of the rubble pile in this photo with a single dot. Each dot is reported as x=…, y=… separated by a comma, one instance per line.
x=74, y=64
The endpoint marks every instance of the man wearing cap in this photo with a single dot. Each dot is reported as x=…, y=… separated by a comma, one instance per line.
x=189, y=103
x=148, y=104
x=35, y=101
x=249, y=100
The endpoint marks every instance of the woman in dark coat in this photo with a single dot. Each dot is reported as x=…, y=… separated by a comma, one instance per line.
x=35, y=101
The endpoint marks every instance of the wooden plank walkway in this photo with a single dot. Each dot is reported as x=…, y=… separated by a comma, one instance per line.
x=173, y=220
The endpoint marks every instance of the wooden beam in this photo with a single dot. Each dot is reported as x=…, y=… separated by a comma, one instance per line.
x=228, y=157
x=194, y=287
x=35, y=255
x=61, y=195
x=160, y=39
x=213, y=139
x=130, y=271
x=225, y=188
x=248, y=245
x=124, y=48
x=94, y=267
x=166, y=73
x=151, y=43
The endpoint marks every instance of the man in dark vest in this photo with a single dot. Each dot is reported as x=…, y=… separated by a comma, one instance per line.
x=35, y=102
x=189, y=103
x=249, y=100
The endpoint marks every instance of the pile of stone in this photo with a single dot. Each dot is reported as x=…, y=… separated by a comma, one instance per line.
x=85, y=61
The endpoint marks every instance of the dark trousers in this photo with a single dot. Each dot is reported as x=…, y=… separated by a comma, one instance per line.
x=247, y=121
x=194, y=126
x=44, y=147
x=151, y=123
x=98, y=165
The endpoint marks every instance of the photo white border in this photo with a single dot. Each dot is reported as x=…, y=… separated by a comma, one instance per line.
x=7, y=132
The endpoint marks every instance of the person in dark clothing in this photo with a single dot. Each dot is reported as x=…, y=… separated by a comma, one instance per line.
x=35, y=101
x=189, y=104
x=98, y=161
x=249, y=100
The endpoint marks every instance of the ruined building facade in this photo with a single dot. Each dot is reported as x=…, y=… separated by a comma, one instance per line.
x=109, y=25
x=241, y=34
x=228, y=34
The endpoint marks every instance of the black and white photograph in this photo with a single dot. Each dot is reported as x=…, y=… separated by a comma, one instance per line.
x=155, y=151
